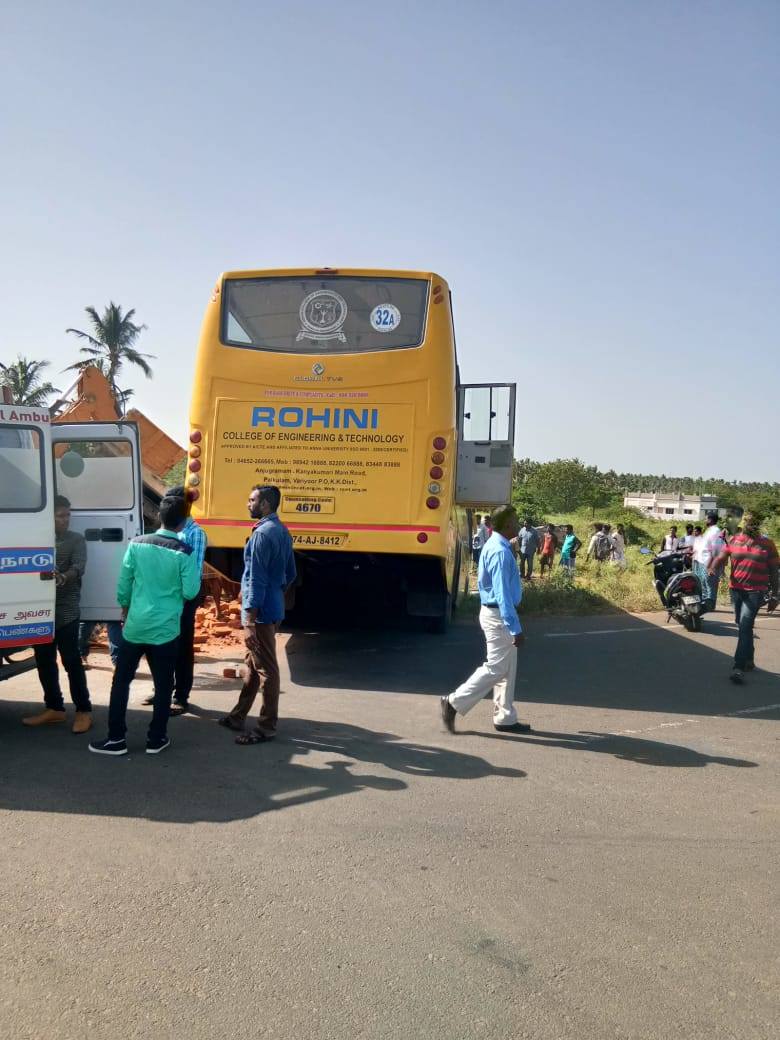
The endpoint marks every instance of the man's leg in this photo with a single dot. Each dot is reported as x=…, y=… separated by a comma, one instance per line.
x=114, y=634
x=68, y=645
x=251, y=684
x=494, y=670
x=504, y=713
x=748, y=608
x=185, y=656
x=530, y=560
x=269, y=670
x=127, y=663
x=86, y=628
x=162, y=664
x=49, y=675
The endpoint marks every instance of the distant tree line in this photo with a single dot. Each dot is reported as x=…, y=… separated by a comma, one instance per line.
x=565, y=485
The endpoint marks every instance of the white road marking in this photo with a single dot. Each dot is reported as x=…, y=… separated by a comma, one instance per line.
x=601, y=632
x=752, y=711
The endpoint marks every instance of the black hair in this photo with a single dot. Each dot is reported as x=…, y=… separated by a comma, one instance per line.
x=176, y=492
x=173, y=512
x=60, y=502
x=269, y=493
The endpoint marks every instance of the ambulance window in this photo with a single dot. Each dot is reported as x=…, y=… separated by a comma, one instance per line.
x=21, y=469
x=95, y=474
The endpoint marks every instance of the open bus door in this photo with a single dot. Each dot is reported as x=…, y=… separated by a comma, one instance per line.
x=27, y=586
x=97, y=467
x=486, y=437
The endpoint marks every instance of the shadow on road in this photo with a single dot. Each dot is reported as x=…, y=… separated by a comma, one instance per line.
x=618, y=661
x=205, y=776
x=628, y=749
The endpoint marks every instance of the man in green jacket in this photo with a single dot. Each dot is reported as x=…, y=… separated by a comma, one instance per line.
x=159, y=573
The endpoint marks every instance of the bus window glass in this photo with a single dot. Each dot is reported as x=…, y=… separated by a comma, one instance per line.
x=21, y=469
x=501, y=407
x=95, y=474
x=476, y=413
x=339, y=315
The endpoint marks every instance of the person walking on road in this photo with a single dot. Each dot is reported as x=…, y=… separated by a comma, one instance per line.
x=70, y=564
x=500, y=592
x=754, y=572
x=269, y=569
x=569, y=549
x=528, y=543
x=191, y=534
x=159, y=573
x=707, y=548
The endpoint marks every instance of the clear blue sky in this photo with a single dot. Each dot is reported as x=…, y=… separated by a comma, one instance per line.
x=598, y=182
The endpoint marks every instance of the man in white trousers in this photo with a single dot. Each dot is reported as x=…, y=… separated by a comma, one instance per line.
x=500, y=592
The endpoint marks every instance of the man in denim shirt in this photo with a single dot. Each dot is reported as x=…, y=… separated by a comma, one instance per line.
x=269, y=568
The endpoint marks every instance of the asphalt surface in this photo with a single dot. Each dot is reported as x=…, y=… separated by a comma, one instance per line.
x=369, y=875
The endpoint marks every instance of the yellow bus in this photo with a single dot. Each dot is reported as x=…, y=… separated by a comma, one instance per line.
x=341, y=387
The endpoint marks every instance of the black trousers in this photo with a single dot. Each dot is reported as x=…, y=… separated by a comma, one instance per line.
x=66, y=640
x=185, y=658
x=162, y=662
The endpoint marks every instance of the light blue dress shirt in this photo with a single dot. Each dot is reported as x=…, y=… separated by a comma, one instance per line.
x=499, y=581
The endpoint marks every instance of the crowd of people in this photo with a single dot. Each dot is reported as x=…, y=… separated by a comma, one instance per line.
x=607, y=544
x=159, y=589
x=160, y=584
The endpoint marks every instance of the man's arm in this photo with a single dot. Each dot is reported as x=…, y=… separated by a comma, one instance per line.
x=503, y=578
x=258, y=576
x=124, y=589
x=199, y=542
x=190, y=574
x=717, y=563
x=290, y=570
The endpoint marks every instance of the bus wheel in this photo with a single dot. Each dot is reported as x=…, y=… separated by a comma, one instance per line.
x=439, y=625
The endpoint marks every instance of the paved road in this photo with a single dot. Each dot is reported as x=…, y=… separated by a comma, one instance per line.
x=370, y=876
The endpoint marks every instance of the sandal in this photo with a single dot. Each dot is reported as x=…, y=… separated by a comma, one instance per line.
x=179, y=709
x=229, y=723
x=251, y=738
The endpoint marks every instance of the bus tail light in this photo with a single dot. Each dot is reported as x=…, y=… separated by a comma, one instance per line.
x=194, y=480
x=196, y=436
x=439, y=443
x=193, y=494
x=422, y=537
x=432, y=502
x=438, y=458
x=434, y=488
x=194, y=465
x=436, y=472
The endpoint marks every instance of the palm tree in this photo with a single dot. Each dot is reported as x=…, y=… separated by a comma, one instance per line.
x=111, y=344
x=24, y=379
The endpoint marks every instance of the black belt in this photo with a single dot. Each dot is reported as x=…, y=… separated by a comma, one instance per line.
x=491, y=606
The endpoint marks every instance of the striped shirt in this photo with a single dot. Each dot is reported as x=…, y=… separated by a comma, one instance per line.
x=753, y=562
x=192, y=534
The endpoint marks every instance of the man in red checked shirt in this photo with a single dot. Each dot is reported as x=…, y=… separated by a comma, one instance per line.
x=754, y=572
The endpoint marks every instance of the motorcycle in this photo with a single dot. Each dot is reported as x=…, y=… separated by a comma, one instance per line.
x=678, y=588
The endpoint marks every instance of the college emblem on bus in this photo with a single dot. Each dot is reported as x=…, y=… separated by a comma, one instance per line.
x=322, y=314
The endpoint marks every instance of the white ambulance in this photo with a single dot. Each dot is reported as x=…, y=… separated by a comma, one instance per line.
x=97, y=466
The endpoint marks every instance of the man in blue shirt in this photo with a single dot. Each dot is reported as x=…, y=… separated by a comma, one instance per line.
x=269, y=568
x=500, y=592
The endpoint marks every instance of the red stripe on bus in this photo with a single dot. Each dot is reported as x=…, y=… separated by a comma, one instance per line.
x=23, y=641
x=328, y=527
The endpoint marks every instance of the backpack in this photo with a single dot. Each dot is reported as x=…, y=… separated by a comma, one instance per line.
x=603, y=548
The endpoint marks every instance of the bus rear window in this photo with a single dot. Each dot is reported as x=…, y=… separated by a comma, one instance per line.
x=21, y=469
x=324, y=315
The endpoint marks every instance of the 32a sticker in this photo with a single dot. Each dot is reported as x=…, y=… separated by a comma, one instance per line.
x=385, y=317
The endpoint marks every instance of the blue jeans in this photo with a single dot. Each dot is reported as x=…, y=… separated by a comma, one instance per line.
x=709, y=585
x=746, y=606
x=113, y=630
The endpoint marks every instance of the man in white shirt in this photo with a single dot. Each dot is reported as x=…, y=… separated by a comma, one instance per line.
x=708, y=548
x=671, y=541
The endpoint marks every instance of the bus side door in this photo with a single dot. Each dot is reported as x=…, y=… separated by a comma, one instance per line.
x=97, y=467
x=486, y=437
x=27, y=586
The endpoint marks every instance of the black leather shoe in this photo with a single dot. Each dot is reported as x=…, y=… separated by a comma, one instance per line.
x=516, y=727
x=448, y=714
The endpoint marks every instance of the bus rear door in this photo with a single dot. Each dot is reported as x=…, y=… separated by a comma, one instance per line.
x=97, y=467
x=486, y=437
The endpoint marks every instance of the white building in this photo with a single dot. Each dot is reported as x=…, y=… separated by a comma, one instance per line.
x=665, y=505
